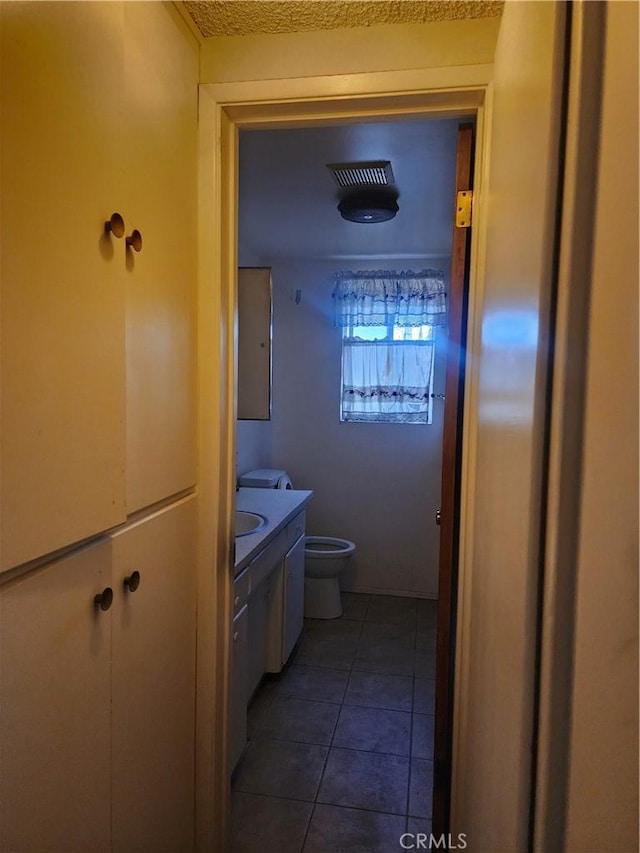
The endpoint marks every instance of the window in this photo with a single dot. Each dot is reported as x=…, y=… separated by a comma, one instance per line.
x=387, y=374
x=388, y=324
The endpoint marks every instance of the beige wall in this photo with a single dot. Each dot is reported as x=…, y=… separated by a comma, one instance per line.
x=379, y=487
x=603, y=760
x=392, y=47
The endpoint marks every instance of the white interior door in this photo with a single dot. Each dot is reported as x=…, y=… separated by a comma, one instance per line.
x=497, y=613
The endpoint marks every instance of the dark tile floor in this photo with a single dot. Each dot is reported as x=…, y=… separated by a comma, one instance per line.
x=341, y=746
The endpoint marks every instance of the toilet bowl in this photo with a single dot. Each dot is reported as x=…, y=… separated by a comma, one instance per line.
x=324, y=558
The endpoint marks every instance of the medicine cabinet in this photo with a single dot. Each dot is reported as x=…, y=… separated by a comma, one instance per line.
x=254, y=343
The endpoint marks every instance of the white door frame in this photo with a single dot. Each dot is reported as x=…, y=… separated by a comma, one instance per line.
x=224, y=108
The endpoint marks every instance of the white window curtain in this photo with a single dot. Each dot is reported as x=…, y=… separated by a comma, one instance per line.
x=387, y=382
x=384, y=297
x=387, y=322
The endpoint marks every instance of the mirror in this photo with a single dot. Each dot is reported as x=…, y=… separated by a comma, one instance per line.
x=254, y=343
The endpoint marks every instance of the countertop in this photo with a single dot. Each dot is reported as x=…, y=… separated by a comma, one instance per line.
x=278, y=506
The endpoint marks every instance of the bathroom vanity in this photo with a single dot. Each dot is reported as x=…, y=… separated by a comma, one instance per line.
x=268, y=596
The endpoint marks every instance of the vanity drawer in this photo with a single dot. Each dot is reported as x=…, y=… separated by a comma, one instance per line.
x=296, y=528
x=240, y=591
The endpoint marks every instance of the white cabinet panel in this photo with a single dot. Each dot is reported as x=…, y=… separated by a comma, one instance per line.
x=62, y=367
x=160, y=159
x=273, y=639
x=55, y=744
x=98, y=708
x=239, y=657
x=293, y=597
x=257, y=627
x=97, y=358
x=153, y=674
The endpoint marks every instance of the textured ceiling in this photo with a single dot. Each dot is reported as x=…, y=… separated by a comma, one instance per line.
x=243, y=17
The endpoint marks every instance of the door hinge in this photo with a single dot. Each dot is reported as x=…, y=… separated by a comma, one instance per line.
x=464, y=200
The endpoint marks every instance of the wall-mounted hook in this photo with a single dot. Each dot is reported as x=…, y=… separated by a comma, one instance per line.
x=134, y=240
x=114, y=225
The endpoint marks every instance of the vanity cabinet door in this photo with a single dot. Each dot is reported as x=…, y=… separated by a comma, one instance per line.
x=293, y=618
x=153, y=682
x=239, y=660
x=55, y=721
x=258, y=620
x=62, y=357
x=160, y=163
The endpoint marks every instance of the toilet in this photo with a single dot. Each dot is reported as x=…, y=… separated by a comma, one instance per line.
x=325, y=557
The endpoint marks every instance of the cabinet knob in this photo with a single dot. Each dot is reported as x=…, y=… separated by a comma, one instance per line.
x=236, y=601
x=104, y=599
x=132, y=582
x=235, y=636
x=134, y=240
x=114, y=225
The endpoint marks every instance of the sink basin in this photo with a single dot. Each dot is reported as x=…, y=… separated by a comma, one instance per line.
x=248, y=522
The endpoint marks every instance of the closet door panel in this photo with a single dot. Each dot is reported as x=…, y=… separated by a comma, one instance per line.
x=153, y=683
x=62, y=330
x=55, y=652
x=161, y=74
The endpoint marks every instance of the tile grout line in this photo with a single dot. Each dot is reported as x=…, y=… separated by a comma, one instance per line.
x=413, y=696
x=324, y=767
x=306, y=832
x=316, y=803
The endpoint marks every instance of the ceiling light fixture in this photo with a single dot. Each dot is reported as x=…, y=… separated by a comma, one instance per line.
x=369, y=206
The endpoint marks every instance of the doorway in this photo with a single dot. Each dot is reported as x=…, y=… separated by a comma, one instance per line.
x=378, y=485
x=226, y=122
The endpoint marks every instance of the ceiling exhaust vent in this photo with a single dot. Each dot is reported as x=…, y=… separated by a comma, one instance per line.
x=374, y=173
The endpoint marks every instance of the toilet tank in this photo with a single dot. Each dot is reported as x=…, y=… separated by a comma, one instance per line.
x=265, y=478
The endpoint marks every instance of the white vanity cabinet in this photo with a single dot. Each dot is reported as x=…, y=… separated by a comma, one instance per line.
x=268, y=617
x=276, y=602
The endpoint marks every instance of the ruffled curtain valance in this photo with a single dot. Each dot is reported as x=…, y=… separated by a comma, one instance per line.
x=385, y=297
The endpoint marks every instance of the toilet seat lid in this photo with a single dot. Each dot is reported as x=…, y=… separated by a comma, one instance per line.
x=262, y=478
